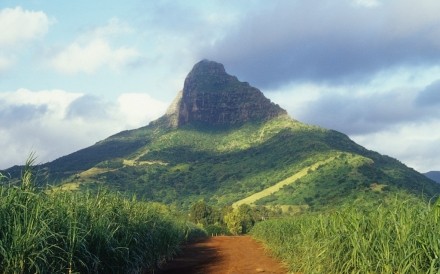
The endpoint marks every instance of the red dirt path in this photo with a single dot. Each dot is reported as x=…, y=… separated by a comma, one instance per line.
x=224, y=255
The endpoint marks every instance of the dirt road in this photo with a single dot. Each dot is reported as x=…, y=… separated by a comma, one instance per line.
x=224, y=255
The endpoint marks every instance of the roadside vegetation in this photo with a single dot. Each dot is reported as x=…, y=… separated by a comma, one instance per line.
x=373, y=228
x=229, y=220
x=399, y=235
x=46, y=231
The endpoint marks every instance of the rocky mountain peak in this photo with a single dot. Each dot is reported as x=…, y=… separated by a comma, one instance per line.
x=207, y=76
x=212, y=97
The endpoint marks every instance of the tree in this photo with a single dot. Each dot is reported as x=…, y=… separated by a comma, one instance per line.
x=202, y=213
x=240, y=220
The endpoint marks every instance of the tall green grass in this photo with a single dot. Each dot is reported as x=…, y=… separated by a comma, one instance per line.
x=401, y=235
x=69, y=232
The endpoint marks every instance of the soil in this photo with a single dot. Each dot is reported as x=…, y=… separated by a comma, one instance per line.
x=224, y=255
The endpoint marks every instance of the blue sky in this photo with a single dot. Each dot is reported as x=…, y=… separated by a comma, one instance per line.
x=75, y=72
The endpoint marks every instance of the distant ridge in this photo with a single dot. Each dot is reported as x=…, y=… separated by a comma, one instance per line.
x=433, y=175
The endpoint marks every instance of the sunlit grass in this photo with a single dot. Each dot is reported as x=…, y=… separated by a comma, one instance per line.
x=276, y=187
x=75, y=232
x=399, y=236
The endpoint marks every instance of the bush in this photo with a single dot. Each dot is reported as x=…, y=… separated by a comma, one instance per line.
x=240, y=220
x=195, y=232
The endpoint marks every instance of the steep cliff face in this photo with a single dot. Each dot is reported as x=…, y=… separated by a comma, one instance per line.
x=210, y=96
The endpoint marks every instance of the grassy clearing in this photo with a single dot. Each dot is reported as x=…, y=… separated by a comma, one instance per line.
x=65, y=232
x=400, y=235
x=290, y=180
x=93, y=172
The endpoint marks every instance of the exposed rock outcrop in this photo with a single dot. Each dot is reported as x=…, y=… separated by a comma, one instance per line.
x=210, y=96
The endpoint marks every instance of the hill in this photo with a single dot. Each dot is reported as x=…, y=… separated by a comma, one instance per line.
x=433, y=175
x=221, y=140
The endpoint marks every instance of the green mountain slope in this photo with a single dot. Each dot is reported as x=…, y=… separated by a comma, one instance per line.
x=226, y=143
x=224, y=166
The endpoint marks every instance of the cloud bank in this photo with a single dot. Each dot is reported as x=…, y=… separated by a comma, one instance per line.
x=53, y=123
x=331, y=41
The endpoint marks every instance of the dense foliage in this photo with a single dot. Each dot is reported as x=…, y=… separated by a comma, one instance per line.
x=72, y=232
x=399, y=235
x=229, y=220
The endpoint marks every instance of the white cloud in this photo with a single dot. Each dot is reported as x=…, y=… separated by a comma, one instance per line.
x=367, y=3
x=95, y=49
x=416, y=144
x=93, y=55
x=52, y=123
x=56, y=99
x=20, y=26
x=137, y=109
x=113, y=27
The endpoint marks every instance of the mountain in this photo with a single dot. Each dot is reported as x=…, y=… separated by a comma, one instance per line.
x=433, y=175
x=223, y=141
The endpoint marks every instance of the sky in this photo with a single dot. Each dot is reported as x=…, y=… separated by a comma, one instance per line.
x=75, y=72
